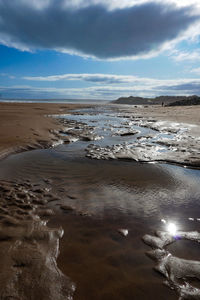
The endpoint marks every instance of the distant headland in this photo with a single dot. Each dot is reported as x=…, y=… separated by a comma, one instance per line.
x=161, y=100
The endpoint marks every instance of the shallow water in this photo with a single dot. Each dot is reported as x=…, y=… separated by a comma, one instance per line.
x=107, y=196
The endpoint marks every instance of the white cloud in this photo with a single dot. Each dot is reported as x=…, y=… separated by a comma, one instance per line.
x=7, y=75
x=97, y=78
x=108, y=87
x=114, y=79
x=181, y=56
x=195, y=71
x=114, y=4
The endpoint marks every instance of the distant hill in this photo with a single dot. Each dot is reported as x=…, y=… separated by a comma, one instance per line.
x=166, y=100
x=191, y=100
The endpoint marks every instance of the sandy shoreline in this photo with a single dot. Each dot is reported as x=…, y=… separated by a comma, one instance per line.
x=25, y=126
x=180, y=114
x=28, y=203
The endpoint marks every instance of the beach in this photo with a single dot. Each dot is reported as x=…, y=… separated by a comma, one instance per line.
x=99, y=150
x=25, y=124
x=86, y=189
x=179, y=114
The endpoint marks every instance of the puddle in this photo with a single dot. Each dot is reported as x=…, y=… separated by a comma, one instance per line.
x=182, y=275
x=119, y=135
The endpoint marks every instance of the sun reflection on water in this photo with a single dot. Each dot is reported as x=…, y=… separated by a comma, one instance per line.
x=172, y=228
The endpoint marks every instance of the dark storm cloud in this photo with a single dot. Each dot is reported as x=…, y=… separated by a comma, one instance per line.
x=93, y=30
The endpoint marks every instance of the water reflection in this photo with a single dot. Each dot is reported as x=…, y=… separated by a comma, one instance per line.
x=171, y=228
x=111, y=205
x=176, y=270
x=130, y=188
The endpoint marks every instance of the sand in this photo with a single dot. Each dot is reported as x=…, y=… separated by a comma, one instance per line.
x=24, y=125
x=29, y=248
x=32, y=246
x=179, y=114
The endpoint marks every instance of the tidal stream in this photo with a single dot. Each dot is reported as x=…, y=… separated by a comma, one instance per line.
x=105, y=207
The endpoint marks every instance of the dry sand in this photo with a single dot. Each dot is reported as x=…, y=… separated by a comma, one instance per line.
x=25, y=125
x=179, y=114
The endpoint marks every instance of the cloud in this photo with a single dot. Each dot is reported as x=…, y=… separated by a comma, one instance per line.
x=7, y=75
x=115, y=85
x=95, y=78
x=136, y=86
x=129, y=81
x=92, y=30
x=187, y=88
x=180, y=56
x=111, y=4
x=196, y=71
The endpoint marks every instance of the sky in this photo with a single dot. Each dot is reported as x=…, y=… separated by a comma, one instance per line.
x=99, y=49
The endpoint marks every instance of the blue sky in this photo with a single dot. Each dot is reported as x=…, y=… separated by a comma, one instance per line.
x=98, y=49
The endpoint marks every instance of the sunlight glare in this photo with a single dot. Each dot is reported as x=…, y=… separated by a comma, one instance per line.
x=172, y=228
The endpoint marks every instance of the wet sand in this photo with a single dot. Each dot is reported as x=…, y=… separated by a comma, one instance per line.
x=90, y=207
x=179, y=114
x=25, y=126
x=46, y=193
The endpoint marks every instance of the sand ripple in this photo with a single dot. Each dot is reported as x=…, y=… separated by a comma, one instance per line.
x=28, y=247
